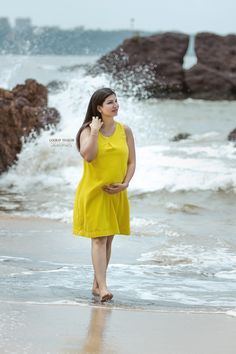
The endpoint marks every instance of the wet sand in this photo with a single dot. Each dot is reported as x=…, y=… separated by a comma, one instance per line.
x=51, y=240
x=60, y=329
x=67, y=329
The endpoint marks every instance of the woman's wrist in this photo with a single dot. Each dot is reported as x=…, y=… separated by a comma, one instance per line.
x=94, y=132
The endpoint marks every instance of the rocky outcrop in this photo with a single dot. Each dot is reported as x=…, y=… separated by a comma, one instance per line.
x=22, y=110
x=153, y=66
x=214, y=75
x=150, y=65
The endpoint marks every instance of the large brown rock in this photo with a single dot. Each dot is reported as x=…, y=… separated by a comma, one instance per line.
x=22, y=110
x=216, y=52
x=150, y=65
x=214, y=75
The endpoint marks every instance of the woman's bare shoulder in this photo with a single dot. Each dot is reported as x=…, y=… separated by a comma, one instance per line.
x=127, y=129
x=85, y=132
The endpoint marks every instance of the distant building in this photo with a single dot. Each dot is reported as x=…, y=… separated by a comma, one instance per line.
x=4, y=22
x=23, y=24
x=4, y=25
x=5, y=30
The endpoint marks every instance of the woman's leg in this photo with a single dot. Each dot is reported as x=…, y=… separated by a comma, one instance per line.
x=109, y=243
x=109, y=240
x=99, y=258
x=95, y=289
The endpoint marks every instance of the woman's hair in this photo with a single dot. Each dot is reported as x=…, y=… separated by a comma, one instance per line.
x=96, y=99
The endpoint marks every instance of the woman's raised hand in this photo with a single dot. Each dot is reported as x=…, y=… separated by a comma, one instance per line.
x=95, y=125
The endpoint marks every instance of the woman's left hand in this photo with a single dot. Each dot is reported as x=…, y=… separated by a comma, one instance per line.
x=115, y=187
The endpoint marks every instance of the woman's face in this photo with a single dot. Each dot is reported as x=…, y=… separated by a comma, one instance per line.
x=109, y=107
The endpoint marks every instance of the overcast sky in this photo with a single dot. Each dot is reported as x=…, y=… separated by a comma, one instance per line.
x=188, y=16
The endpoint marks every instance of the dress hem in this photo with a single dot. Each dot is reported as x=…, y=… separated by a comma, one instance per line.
x=100, y=234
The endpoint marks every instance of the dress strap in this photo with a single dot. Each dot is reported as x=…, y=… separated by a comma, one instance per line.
x=122, y=129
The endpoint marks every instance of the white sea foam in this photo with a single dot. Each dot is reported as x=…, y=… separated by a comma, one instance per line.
x=166, y=171
x=231, y=313
x=15, y=259
x=230, y=274
x=216, y=263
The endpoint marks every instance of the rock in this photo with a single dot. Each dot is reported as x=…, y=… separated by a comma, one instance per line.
x=180, y=136
x=148, y=66
x=209, y=84
x=232, y=135
x=34, y=92
x=5, y=94
x=152, y=67
x=214, y=75
x=216, y=52
x=22, y=110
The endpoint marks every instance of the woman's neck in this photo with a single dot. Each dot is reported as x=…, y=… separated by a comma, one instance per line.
x=108, y=122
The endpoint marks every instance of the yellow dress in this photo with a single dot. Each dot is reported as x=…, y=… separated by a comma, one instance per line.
x=97, y=213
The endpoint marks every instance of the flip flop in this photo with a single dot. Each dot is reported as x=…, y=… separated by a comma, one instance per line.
x=106, y=297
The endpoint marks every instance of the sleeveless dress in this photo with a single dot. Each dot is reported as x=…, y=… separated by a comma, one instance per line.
x=97, y=213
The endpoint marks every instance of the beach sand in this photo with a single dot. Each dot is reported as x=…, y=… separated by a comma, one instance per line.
x=80, y=328
x=31, y=328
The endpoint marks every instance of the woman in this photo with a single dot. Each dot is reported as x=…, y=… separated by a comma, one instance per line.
x=101, y=207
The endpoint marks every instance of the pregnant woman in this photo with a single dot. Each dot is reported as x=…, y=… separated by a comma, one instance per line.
x=101, y=206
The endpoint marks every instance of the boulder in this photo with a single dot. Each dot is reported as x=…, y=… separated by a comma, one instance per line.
x=216, y=52
x=214, y=75
x=35, y=93
x=22, y=110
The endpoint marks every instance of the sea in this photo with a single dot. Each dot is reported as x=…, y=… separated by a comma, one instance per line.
x=182, y=196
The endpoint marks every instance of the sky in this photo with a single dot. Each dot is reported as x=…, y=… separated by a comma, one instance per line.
x=189, y=16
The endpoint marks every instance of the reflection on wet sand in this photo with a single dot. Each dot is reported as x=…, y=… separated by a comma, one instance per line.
x=94, y=343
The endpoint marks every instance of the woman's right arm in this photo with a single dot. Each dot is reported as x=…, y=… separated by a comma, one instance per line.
x=89, y=139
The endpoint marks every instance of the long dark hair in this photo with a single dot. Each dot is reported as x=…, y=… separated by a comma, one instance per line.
x=96, y=99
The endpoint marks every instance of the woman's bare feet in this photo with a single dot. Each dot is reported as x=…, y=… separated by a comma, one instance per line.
x=105, y=295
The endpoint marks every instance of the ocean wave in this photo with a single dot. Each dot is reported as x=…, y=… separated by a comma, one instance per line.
x=217, y=262
x=170, y=170
x=178, y=281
